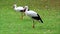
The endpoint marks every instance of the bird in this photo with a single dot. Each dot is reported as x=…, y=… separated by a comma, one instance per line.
x=19, y=9
x=33, y=15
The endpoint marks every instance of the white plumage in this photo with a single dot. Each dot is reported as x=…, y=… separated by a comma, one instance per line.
x=18, y=8
x=32, y=14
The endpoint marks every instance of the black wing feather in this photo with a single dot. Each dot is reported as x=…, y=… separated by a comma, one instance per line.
x=38, y=18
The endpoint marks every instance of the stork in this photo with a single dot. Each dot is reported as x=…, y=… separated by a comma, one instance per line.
x=19, y=9
x=33, y=15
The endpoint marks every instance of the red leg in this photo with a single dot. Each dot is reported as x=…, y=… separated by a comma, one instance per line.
x=33, y=24
x=21, y=15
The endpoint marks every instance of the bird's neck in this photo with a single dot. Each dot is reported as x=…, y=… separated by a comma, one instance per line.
x=15, y=6
x=26, y=9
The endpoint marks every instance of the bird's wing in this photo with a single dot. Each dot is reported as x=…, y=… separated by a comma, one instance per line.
x=31, y=13
x=20, y=8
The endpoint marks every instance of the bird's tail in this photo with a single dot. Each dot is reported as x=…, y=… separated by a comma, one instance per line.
x=41, y=20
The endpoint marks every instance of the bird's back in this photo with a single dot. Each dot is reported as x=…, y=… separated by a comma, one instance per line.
x=19, y=8
x=31, y=13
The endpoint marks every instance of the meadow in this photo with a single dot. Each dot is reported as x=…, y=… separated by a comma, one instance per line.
x=10, y=22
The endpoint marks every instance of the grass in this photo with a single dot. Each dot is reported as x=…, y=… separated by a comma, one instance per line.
x=10, y=22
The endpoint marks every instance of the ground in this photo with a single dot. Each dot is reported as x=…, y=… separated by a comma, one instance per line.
x=11, y=23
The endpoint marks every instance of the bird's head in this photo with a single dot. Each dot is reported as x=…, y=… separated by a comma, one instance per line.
x=14, y=5
x=26, y=7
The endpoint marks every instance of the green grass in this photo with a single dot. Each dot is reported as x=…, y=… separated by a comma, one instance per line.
x=10, y=22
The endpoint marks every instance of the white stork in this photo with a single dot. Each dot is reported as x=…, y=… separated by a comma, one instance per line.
x=19, y=9
x=33, y=15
